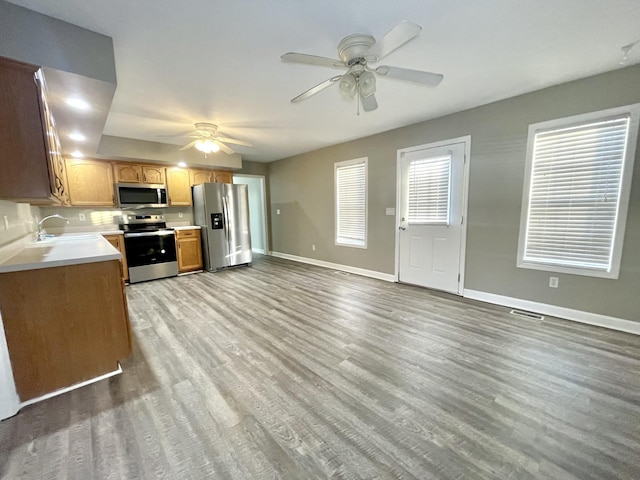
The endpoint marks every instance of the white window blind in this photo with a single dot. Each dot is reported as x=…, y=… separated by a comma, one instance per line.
x=574, y=195
x=351, y=202
x=429, y=190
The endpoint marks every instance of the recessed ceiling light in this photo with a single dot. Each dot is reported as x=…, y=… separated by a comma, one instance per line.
x=182, y=164
x=78, y=103
x=77, y=154
x=78, y=137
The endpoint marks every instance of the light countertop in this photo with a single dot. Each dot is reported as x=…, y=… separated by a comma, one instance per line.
x=187, y=227
x=66, y=249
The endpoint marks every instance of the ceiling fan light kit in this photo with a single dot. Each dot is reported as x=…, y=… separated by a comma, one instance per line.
x=208, y=141
x=206, y=145
x=356, y=52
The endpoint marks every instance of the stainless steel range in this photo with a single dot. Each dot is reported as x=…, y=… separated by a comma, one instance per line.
x=150, y=247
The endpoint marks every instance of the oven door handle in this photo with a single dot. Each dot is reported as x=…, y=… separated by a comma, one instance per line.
x=149, y=234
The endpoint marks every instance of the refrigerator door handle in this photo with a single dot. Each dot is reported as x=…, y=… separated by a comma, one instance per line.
x=225, y=211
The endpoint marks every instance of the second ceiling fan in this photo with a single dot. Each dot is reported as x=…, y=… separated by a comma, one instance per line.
x=208, y=140
x=356, y=53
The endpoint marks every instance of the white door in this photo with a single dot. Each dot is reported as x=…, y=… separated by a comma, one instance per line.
x=430, y=213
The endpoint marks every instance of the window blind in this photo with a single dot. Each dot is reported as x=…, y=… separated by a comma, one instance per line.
x=429, y=190
x=351, y=204
x=575, y=194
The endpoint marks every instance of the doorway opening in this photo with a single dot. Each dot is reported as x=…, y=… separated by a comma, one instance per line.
x=257, y=211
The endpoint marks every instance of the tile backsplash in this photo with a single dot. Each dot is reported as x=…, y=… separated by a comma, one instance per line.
x=104, y=219
x=17, y=220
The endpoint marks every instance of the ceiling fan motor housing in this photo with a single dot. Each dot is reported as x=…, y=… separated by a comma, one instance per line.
x=206, y=128
x=354, y=46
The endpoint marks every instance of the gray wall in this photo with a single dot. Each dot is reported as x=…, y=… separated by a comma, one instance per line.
x=34, y=38
x=302, y=188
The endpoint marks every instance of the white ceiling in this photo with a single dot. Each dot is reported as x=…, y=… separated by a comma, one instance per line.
x=219, y=61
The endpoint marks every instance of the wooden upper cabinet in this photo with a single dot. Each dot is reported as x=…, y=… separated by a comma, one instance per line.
x=196, y=177
x=178, y=187
x=152, y=174
x=133, y=173
x=90, y=182
x=223, y=176
x=27, y=169
x=127, y=173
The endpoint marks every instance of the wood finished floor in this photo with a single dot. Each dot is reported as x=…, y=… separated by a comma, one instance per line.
x=284, y=370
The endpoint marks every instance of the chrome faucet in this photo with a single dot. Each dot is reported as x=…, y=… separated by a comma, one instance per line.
x=41, y=233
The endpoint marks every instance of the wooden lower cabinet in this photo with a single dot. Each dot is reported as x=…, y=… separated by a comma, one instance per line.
x=118, y=242
x=64, y=325
x=189, y=250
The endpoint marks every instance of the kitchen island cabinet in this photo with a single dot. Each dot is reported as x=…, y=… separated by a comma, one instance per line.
x=64, y=325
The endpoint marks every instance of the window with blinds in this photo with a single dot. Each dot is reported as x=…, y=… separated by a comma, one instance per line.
x=351, y=202
x=429, y=190
x=577, y=194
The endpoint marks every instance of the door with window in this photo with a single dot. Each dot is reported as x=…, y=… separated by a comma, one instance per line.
x=431, y=211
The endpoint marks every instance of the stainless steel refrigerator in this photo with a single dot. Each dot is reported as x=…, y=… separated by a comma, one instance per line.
x=222, y=211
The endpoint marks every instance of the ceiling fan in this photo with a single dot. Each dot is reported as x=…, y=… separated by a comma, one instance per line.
x=356, y=52
x=207, y=139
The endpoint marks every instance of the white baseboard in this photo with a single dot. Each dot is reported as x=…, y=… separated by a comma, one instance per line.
x=589, y=318
x=387, y=277
x=258, y=250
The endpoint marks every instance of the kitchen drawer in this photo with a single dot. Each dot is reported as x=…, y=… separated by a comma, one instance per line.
x=187, y=233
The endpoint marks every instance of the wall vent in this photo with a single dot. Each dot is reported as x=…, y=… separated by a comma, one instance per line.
x=525, y=314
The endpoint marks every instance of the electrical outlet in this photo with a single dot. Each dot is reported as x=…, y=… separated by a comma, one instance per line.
x=553, y=282
x=313, y=247
x=180, y=214
x=81, y=217
x=277, y=211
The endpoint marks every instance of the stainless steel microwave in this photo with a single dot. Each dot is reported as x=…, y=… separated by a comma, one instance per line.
x=141, y=195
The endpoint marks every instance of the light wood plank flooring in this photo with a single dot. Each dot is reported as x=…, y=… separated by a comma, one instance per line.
x=284, y=370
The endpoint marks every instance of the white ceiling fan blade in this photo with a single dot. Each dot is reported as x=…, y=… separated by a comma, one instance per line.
x=316, y=89
x=418, y=76
x=369, y=103
x=312, y=59
x=397, y=36
x=183, y=134
x=189, y=145
x=233, y=140
x=224, y=148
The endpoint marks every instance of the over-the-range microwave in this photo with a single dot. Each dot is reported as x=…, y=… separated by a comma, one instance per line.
x=141, y=195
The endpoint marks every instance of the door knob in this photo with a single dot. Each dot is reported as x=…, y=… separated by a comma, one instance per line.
x=401, y=228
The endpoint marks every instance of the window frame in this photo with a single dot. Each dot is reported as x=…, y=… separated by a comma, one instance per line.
x=625, y=189
x=447, y=222
x=336, y=167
